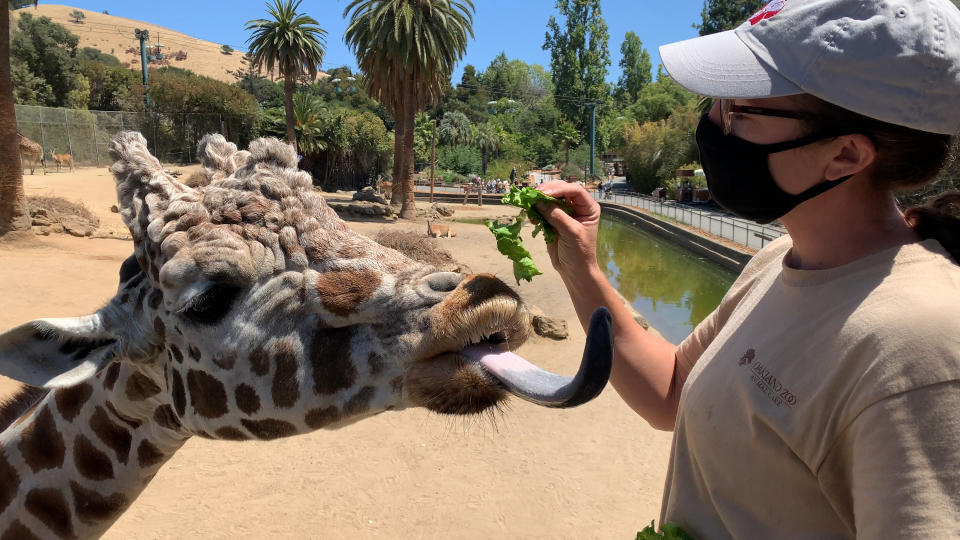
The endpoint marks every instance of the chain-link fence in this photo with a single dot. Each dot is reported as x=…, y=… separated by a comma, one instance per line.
x=85, y=135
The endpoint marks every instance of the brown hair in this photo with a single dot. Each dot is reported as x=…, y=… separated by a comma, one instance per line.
x=907, y=161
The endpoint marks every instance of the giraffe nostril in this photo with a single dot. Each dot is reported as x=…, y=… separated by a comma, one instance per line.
x=444, y=281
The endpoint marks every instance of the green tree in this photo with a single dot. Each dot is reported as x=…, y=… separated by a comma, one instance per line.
x=566, y=136
x=578, y=57
x=455, y=128
x=91, y=53
x=659, y=100
x=79, y=97
x=720, y=15
x=487, y=139
x=407, y=50
x=290, y=42
x=77, y=16
x=636, y=69
x=13, y=211
x=48, y=51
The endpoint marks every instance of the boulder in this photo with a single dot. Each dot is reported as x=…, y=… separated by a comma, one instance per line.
x=362, y=208
x=41, y=221
x=550, y=327
x=77, y=227
x=367, y=194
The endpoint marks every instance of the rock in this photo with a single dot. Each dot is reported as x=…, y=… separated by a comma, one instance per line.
x=550, y=327
x=39, y=212
x=42, y=231
x=444, y=210
x=115, y=209
x=362, y=208
x=56, y=228
x=112, y=234
x=77, y=227
x=367, y=194
x=41, y=221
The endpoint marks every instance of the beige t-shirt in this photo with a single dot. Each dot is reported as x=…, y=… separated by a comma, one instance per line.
x=825, y=403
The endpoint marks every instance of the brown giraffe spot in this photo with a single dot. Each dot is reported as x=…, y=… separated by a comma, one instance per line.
x=175, y=354
x=247, y=399
x=166, y=418
x=90, y=461
x=286, y=387
x=93, y=507
x=18, y=531
x=41, y=444
x=141, y=387
x=9, y=482
x=360, y=402
x=194, y=353
x=226, y=361
x=207, y=394
x=318, y=418
x=70, y=400
x=376, y=363
x=269, y=429
x=51, y=508
x=259, y=361
x=148, y=455
x=341, y=292
x=179, y=396
x=132, y=422
x=111, y=375
x=112, y=435
x=396, y=385
x=332, y=369
x=138, y=303
x=155, y=298
x=160, y=329
x=231, y=434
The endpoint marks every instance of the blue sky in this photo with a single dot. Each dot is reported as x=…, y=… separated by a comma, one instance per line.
x=516, y=27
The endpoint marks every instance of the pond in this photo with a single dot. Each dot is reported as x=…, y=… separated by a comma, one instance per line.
x=672, y=287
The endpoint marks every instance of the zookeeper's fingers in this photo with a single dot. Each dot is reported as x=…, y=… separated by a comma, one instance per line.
x=552, y=249
x=584, y=207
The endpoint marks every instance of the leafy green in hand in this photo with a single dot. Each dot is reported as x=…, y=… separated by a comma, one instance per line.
x=670, y=531
x=508, y=236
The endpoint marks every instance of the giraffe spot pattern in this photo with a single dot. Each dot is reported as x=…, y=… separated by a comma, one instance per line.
x=226, y=361
x=318, y=418
x=93, y=507
x=9, y=482
x=376, y=363
x=90, y=461
x=360, y=402
x=207, y=394
x=141, y=387
x=160, y=329
x=111, y=375
x=259, y=361
x=50, y=507
x=175, y=354
x=194, y=353
x=342, y=291
x=132, y=422
x=247, y=399
x=166, y=418
x=286, y=387
x=330, y=357
x=71, y=399
x=155, y=298
x=269, y=429
x=148, y=455
x=41, y=444
x=179, y=395
x=18, y=531
x=112, y=435
x=231, y=434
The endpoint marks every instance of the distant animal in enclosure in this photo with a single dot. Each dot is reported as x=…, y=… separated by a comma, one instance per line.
x=437, y=231
x=62, y=159
x=248, y=310
x=31, y=154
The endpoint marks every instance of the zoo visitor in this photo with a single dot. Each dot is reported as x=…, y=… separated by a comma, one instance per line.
x=821, y=399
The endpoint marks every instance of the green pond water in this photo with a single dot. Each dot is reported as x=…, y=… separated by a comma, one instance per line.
x=673, y=288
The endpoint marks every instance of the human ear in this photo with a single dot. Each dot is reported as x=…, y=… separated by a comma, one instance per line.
x=851, y=155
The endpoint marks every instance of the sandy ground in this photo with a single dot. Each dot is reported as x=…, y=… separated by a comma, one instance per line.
x=592, y=472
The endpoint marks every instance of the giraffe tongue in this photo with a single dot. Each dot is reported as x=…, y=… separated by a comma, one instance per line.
x=533, y=384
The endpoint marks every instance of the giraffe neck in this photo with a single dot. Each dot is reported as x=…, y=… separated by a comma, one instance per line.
x=77, y=459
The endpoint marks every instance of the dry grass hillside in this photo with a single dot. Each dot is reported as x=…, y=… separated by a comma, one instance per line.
x=114, y=35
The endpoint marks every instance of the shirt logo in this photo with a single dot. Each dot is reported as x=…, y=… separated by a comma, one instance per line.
x=767, y=382
x=748, y=357
x=768, y=11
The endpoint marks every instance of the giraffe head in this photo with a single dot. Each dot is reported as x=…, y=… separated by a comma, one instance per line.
x=250, y=310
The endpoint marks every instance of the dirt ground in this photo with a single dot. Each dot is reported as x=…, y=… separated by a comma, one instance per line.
x=592, y=472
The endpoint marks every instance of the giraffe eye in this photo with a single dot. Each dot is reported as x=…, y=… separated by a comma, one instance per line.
x=211, y=305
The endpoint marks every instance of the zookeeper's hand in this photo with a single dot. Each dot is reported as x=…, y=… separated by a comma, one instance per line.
x=574, y=254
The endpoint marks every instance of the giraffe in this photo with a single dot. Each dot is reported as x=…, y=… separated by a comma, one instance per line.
x=248, y=311
x=31, y=153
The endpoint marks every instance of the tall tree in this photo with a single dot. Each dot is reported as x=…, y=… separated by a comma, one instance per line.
x=566, y=136
x=407, y=49
x=578, y=57
x=48, y=51
x=635, y=65
x=292, y=43
x=13, y=212
x=455, y=128
x=487, y=138
x=720, y=15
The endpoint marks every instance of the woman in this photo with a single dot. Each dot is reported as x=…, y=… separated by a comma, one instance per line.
x=822, y=398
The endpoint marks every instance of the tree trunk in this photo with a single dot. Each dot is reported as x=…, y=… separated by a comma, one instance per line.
x=399, y=133
x=409, y=208
x=483, y=156
x=288, y=106
x=13, y=210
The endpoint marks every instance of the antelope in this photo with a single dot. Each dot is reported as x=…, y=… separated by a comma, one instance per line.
x=437, y=231
x=62, y=159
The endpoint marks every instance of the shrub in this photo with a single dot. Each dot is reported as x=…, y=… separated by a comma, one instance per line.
x=462, y=159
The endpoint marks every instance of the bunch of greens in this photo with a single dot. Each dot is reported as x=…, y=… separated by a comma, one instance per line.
x=670, y=532
x=508, y=236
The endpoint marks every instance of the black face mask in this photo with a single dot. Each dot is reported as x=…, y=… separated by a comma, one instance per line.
x=738, y=173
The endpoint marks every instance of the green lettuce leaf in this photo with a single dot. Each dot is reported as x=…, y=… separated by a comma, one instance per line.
x=670, y=532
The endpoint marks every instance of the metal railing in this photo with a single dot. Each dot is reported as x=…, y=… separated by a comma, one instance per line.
x=739, y=231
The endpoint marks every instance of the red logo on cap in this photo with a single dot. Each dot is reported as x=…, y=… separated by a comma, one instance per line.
x=768, y=11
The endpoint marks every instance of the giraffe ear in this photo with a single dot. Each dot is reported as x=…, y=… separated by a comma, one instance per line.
x=54, y=353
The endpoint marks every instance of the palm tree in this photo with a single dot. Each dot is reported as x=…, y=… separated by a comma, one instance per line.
x=308, y=112
x=13, y=212
x=292, y=43
x=407, y=49
x=488, y=139
x=566, y=135
x=455, y=128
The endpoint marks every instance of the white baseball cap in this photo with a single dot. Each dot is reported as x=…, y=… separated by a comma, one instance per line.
x=894, y=60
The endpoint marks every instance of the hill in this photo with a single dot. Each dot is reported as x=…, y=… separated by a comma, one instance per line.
x=115, y=35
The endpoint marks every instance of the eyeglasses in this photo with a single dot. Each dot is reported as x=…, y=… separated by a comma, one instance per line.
x=728, y=108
